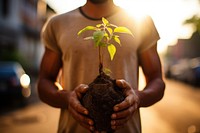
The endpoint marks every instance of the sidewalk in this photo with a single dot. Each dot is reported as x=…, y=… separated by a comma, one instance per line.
x=177, y=112
x=41, y=118
x=37, y=118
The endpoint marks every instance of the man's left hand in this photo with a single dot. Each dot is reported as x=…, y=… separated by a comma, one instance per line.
x=124, y=110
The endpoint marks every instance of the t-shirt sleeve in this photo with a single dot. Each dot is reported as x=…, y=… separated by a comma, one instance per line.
x=48, y=36
x=149, y=34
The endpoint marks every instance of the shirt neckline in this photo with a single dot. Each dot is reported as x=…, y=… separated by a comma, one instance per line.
x=95, y=19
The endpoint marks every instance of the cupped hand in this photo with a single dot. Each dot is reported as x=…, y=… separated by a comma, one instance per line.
x=124, y=110
x=79, y=113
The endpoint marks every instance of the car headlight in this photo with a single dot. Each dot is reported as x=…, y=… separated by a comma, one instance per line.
x=25, y=80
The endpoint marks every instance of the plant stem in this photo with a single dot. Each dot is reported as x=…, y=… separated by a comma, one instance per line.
x=100, y=61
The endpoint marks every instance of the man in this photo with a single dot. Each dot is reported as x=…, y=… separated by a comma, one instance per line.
x=78, y=60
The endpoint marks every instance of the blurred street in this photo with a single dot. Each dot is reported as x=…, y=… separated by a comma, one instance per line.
x=21, y=23
x=178, y=112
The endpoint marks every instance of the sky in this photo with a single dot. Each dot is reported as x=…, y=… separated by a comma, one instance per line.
x=168, y=15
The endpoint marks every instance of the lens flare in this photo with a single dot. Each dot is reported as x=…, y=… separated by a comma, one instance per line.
x=25, y=80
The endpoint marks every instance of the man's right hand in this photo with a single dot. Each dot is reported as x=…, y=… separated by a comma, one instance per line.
x=79, y=113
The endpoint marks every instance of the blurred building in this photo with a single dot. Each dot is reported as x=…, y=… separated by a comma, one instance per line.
x=182, y=60
x=20, y=25
x=185, y=48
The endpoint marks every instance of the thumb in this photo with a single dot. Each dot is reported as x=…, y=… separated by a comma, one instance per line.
x=81, y=90
x=122, y=84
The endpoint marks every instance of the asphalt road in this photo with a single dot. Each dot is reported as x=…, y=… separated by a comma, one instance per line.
x=177, y=112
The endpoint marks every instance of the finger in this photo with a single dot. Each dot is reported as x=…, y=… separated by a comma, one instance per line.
x=83, y=120
x=80, y=90
x=124, y=104
x=117, y=127
x=79, y=107
x=123, y=114
x=123, y=84
x=119, y=122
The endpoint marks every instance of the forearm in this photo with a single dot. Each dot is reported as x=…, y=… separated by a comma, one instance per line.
x=50, y=94
x=152, y=93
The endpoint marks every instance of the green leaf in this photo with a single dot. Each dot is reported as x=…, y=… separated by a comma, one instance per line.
x=98, y=25
x=98, y=36
x=107, y=71
x=110, y=30
x=123, y=30
x=111, y=50
x=106, y=37
x=105, y=21
x=116, y=38
x=86, y=29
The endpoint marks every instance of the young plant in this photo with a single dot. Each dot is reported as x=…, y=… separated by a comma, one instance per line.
x=103, y=93
x=102, y=36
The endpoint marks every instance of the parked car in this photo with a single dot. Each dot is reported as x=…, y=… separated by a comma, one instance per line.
x=14, y=83
x=186, y=70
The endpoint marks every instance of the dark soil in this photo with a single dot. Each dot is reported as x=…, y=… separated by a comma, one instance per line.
x=100, y=99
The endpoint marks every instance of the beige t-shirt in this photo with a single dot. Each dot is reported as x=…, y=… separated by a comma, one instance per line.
x=80, y=57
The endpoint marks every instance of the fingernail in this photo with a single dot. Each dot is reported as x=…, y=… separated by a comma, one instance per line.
x=113, y=127
x=116, y=108
x=85, y=87
x=85, y=112
x=113, y=123
x=92, y=128
x=90, y=123
x=113, y=116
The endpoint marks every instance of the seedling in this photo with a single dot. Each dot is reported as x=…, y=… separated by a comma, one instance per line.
x=102, y=36
x=103, y=93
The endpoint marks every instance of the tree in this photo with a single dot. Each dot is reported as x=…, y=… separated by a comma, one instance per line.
x=195, y=21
